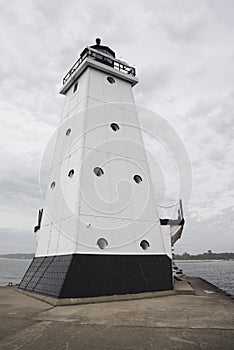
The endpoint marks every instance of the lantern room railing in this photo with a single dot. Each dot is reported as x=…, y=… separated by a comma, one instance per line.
x=102, y=58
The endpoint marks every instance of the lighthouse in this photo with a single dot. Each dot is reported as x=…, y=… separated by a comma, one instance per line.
x=99, y=232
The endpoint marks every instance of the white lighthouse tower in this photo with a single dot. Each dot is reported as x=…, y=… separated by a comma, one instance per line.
x=99, y=232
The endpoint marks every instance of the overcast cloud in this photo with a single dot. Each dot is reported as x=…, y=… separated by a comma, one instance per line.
x=184, y=55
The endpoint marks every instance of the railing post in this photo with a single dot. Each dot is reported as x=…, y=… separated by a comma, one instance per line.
x=181, y=209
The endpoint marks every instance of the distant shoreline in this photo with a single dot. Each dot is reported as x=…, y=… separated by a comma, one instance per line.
x=177, y=261
x=30, y=256
x=17, y=256
x=203, y=260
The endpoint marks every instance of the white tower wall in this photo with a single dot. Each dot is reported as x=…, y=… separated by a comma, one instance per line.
x=126, y=214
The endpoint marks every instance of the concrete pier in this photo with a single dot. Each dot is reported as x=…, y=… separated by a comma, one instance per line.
x=195, y=316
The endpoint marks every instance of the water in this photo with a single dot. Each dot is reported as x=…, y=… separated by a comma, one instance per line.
x=12, y=270
x=219, y=273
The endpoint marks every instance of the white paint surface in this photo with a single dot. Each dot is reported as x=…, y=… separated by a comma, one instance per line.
x=84, y=208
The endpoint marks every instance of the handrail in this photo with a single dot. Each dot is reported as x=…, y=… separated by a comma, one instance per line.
x=103, y=58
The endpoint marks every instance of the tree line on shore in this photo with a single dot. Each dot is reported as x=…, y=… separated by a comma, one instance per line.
x=18, y=256
x=209, y=255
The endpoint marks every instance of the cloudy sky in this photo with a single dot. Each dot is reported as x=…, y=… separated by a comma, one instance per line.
x=184, y=55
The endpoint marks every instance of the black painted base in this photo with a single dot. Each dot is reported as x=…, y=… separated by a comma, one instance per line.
x=86, y=275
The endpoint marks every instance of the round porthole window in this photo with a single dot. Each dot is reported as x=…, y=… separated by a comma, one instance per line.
x=144, y=244
x=114, y=127
x=68, y=132
x=137, y=178
x=71, y=173
x=52, y=185
x=102, y=243
x=111, y=80
x=98, y=171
